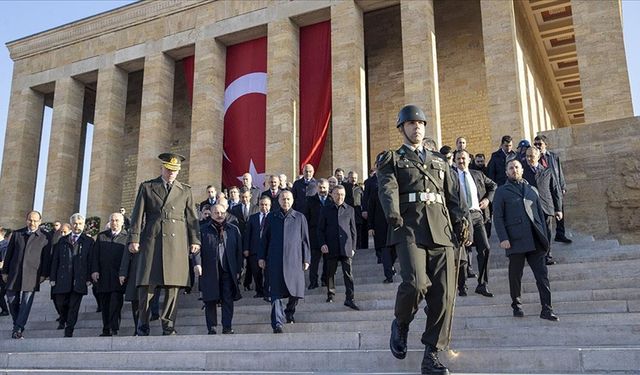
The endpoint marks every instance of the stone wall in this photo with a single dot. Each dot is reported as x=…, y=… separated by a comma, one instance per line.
x=461, y=75
x=602, y=168
x=385, y=81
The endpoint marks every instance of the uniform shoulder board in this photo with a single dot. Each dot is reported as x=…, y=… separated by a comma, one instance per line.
x=384, y=157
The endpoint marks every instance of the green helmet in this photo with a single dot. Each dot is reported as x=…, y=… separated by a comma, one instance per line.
x=410, y=113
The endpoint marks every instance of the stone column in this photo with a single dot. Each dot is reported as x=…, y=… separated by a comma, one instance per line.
x=107, y=153
x=604, y=79
x=504, y=79
x=156, y=114
x=282, y=98
x=420, y=62
x=207, y=121
x=64, y=150
x=348, y=118
x=21, y=154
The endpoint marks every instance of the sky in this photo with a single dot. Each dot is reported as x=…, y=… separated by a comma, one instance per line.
x=21, y=18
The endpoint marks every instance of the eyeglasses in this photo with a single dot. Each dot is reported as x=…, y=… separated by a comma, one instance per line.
x=537, y=144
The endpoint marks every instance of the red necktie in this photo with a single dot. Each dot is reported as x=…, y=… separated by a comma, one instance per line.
x=543, y=161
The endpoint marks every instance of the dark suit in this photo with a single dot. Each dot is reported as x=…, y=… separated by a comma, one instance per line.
x=26, y=262
x=165, y=225
x=218, y=280
x=284, y=246
x=70, y=271
x=423, y=207
x=353, y=197
x=496, y=169
x=519, y=218
x=106, y=260
x=486, y=189
x=548, y=190
x=312, y=213
x=275, y=204
x=302, y=189
x=238, y=212
x=251, y=243
x=553, y=162
x=208, y=201
x=337, y=230
x=378, y=222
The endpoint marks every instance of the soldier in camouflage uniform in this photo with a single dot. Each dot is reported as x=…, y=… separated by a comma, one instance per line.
x=418, y=197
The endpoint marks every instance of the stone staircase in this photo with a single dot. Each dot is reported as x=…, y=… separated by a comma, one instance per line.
x=595, y=291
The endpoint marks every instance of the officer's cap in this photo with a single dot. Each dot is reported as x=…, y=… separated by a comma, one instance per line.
x=171, y=161
x=410, y=113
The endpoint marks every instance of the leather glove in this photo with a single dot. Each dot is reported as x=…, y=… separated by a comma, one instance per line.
x=395, y=222
x=461, y=229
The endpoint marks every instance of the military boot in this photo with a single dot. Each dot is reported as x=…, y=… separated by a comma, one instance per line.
x=431, y=363
x=398, y=340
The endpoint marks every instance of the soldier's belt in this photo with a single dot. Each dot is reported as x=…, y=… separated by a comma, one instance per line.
x=421, y=196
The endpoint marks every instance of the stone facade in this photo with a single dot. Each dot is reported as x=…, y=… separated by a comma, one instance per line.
x=477, y=67
x=601, y=164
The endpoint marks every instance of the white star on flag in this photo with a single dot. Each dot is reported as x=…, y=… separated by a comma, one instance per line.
x=258, y=178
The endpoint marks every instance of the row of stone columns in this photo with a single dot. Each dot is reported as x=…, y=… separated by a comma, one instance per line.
x=349, y=131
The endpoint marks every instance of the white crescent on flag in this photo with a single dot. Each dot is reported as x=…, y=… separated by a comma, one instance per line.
x=252, y=83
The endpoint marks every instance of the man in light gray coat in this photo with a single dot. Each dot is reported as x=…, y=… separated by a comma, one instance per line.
x=520, y=224
x=164, y=228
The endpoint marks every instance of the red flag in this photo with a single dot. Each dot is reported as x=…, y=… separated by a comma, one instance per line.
x=188, y=66
x=315, y=91
x=245, y=112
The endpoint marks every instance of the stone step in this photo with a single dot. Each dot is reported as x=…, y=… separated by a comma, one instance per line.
x=507, y=360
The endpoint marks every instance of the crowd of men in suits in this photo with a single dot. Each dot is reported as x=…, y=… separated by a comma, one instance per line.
x=264, y=239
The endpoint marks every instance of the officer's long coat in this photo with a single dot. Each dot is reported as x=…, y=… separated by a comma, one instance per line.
x=165, y=226
x=285, y=247
x=402, y=173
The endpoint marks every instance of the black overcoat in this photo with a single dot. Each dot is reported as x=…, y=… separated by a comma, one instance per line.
x=337, y=230
x=285, y=248
x=106, y=259
x=519, y=218
x=27, y=260
x=128, y=268
x=208, y=259
x=71, y=265
x=241, y=223
x=312, y=214
x=376, y=219
x=251, y=235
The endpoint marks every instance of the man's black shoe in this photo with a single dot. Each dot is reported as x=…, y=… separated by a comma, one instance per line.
x=114, y=333
x=387, y=281
x=227, y=331
x=258, y=295
x=549, y=261
x=482, y=289
x=278, y=329
x=431, y=363
x=267, y=299
x=350, y=304
x=462, y=292
x=398, y=339
x=518, y=312
x=290, y=319
x=60, y=325
x=470, y=273
x=549, y=315
x=212, y=331
x=154, y=317
x=330, y=299
x=4, y=313
x=68, y=332
x=16, y=335
x=169, y=332
x=143, y=330
x=313, y=286
x=105, y=333
x=563, y=240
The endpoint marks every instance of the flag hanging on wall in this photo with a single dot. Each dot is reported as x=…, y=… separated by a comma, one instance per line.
x=245, y=112
x=315, y=91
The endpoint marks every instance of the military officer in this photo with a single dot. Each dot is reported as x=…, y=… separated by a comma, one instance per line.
x=164, y=228
x=422, y=208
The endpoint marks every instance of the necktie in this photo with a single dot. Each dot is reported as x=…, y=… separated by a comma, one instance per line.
x=273, y=194
x=467, y=189
x=419, y=155
x=74, y=239
x=168, y=186
x=543, y=161
x=245, y=212
x=322, y=200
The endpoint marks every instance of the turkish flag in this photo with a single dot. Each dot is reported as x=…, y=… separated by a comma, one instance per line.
x=315, y=91
x=245, y=112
